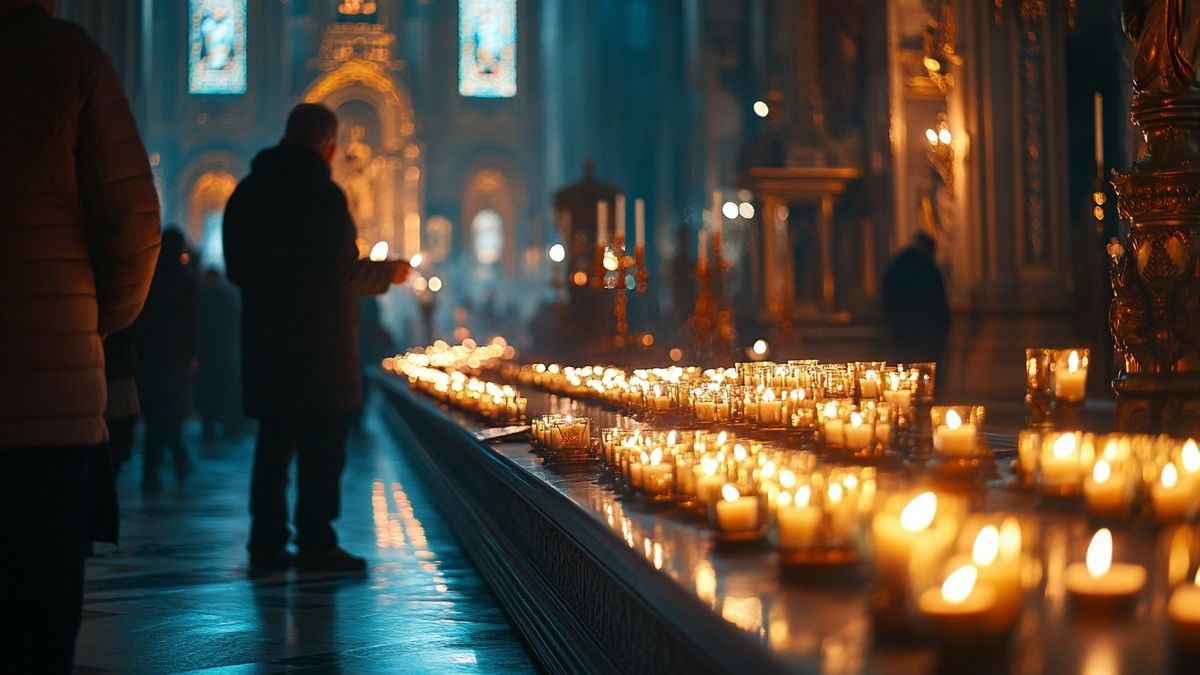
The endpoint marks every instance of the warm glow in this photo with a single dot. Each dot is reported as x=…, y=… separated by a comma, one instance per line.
x=768, y=396
x=740, y=453
x=729, y=210
x=953, y=420
x=850, y=481
x=1101, y=472
x=1064, y=446
x=987, y=546
x=1169, y=476
x=610, y=260
x=746, y=210
x=761, y=109
x=379, y=251
x=672, y=437
x=558, y=253
x=1190, y=457
x=416, y=260
x=435, y=284
x=918, y=514
x=579, y=278
x=803, y=496
x=835, y=492
x=1099, y=553
x=709, y=466
x=944, y=136
x=784, y=498
x=656, y=457
x=1073, y=361
x=1010, y=538
x=1196, y=581
x=958, y=586
x=722, y=438
x=856, y=420
x=931, y=136
x=760, y=347
x=730, y=492
x=831, y=411
x=787, y=479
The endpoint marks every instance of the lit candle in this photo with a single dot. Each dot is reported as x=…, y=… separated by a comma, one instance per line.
x=706, y=411
x=901, y=399
x=856, y=434
x=1104, y=491
x=769, y=409
x=959, y=606
x=736, y=513
x=1184, y=610
x=1100, y=583
x=379, y=252
x=1071, y=384
x=996, y=553
x=954, y=437
x=798, y=522
x=709, y=480
x=639, y=221
x=869, y=384
x=909, y=543
x=1060, y=468
x=601, y=223
x=620, y=220
x=657, y=476
x=833, y=425
x=1172, y=500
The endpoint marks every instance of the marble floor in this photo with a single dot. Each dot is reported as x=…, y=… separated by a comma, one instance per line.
x=175, y=596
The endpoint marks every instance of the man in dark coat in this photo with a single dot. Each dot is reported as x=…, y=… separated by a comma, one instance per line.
x=914, y=303
x=79, y=226
x=290, y=247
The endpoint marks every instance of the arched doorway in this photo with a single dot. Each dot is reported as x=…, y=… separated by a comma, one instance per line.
x=491, y=205
x=205, y=213
x=378, y=163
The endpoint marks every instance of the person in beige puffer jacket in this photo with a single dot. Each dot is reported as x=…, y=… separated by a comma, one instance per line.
x=79, y=236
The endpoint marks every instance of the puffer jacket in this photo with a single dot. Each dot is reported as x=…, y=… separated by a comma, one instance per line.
x=79, y=229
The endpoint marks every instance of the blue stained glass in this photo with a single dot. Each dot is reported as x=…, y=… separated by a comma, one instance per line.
x=487, y=48
x=217, y=46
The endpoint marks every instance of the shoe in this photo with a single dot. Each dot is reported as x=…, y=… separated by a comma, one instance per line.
x=274, y=560
x=334, y=559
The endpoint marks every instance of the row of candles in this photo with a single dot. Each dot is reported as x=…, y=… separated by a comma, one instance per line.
x=497, y=403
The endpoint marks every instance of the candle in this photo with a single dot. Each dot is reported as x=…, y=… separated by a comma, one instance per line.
x=900, y=399
x=639, y=221
x=736, y=513
x=769, y=409
x=908, y=544
x=1172, y=500
x=721, y=410
x=954, y=437
x=706, y=411
x=798, y=522
x=958, y=608
x=869, y=385
x=833, y=425
x=708, y=480
x=656, y=475
x=601, y=223
x=619, y=232
x=996, y=553
x=1101, y=584
x=1105, y=492
x=1184, y=611
x=1098, y=102
x=856, y=435
x=702, y=254
x=718, y=219
x=1060, y=468
x=1070, y=385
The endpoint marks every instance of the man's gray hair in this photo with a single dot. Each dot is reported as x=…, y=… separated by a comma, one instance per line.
x=311, y=125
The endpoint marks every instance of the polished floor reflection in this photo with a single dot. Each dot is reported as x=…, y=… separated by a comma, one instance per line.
x=175, y=595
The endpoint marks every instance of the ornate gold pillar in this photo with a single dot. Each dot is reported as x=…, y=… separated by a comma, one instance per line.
x=1155, y=311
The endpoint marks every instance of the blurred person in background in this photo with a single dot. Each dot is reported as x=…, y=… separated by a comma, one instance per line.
x=166, y=356
x=218, y=380
x=78, y=240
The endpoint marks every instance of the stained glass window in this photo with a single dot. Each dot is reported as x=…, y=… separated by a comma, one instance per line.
x=487, y=48
x=217, y=44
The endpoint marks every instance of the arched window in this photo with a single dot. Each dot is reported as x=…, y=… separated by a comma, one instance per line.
x=487, y=230
x=487, y=45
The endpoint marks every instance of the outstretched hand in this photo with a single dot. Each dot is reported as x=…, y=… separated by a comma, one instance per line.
x=402, y=271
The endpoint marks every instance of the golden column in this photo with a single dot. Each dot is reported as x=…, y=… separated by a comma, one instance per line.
x=1155, y=310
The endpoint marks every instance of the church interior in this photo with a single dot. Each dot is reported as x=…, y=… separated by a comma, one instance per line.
x=819, y=336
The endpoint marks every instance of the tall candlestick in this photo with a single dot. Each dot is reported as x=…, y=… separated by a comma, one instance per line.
x=702, y=257
x=1099, y=103
x=620, y=220
x=639, y=221
x=718, y=219
x=601, y=223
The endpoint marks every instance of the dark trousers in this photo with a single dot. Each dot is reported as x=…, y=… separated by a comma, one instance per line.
x=43, y=524
x=164, y=431
x=319, y=443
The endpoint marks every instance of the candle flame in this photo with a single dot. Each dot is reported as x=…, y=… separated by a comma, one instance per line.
x=416, y=260
x=768, y=469
x=1189, y=456
x=768, y=395
x=730, y=492
x=671, y=437
x=856, y=420
x=1010, y=538
x=722, y=438
x=740, y=452
x=958, y=586
x=953, y=420
x=656, y=457
x=1064, y=446
x=918, y=514
x=800, y=394
x=1196, y=581
x=850, y=481
x=987, y=546
x=803, y=496
x=835, y=492
x=1101, y=472
x=831, y=410
x=787, y=479
x=1169, y=477
x=784, y=498
x=1110, y=449
x=1099, y=553
x=1073, y=361
x=379, y=252
x=709, y=466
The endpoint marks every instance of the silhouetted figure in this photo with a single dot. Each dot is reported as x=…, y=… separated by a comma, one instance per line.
x=289, y=246
x=123, y=410
x=78, y=239
x=218, y=378
x=374, y=342
x=166, y=352
x=914, y=304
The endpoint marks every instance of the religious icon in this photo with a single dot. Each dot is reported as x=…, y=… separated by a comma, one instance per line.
x=487, y=34
x=217, y=37
x=355, y=172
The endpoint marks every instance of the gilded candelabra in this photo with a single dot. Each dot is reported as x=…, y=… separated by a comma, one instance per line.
x=711, y=319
